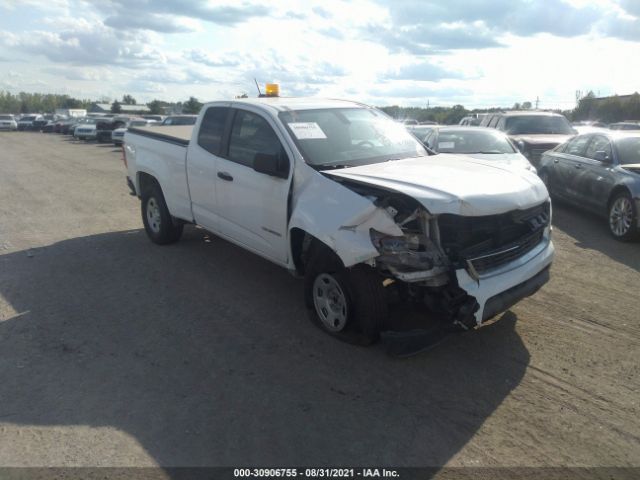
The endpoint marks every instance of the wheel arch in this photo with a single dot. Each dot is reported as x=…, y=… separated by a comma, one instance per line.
x=145, y=180
x=302, y=244
x=618, y=189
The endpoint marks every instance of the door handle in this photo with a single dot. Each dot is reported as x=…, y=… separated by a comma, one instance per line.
x=555, y=160
x=225, y=176
x=577, y=165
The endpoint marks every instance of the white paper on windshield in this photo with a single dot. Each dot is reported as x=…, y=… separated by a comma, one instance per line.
x=446, y=145
x=306, y=130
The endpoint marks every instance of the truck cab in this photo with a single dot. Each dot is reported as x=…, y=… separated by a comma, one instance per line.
x=340, y=194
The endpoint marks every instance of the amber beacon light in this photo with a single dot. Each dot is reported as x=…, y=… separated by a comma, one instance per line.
x=272, y=90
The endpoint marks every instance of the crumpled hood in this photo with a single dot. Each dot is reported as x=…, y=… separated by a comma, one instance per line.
x=541, y=139
x=447, y=183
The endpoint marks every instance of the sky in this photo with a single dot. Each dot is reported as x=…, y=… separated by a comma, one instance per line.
x=381, y=52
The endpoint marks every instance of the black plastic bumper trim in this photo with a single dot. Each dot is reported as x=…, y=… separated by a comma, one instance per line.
x=505, y=300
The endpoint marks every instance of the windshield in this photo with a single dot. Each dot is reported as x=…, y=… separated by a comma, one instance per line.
x=628, y=150
x=533, y=124
x=137, y=123
x=349, y=136
x=473, y=141
x=29, y=118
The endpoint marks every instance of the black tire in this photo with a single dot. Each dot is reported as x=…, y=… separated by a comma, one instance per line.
x=157, y=221
x=366, y=302
x=622, y=205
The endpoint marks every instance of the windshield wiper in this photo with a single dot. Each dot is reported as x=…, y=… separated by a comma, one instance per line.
x=332, y=166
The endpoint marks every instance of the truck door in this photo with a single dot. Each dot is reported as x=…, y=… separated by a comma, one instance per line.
x=203, y=153
x=252, y=206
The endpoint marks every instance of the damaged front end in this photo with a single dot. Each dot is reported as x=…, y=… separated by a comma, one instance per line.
x=415, y=267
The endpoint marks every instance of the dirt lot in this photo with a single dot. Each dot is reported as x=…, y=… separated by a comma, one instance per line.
x=117, y=352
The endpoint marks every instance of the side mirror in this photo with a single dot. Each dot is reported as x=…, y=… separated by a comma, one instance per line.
x=519, y=145
x=273, y=165
x=602, y=156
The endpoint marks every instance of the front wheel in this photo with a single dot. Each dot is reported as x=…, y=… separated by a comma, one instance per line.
x=623, y=218
x=347, y=303
x=156, y=217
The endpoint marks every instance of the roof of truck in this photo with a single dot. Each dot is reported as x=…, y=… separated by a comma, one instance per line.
x=298, y=103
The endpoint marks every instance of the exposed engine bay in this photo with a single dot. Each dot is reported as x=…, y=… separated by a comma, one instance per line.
x=433, y=247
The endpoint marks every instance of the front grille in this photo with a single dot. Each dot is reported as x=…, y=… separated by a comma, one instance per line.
x=537, y=152
x=506, y=254
x=492, y=240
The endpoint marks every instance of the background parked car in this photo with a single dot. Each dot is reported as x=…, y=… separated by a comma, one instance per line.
x=86, y=130
x=599, y=172
x=477, y=142
x=156, y=118
x=533, y=132
x=180, y=120
x=8, y=122
x=627, y=125
x=469, y=121
x=26, y=122
x=118, y=134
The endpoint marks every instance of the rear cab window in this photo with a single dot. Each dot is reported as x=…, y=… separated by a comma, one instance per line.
x=212, y=129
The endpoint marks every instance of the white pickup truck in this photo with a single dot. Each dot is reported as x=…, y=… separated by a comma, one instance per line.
x=339, y=193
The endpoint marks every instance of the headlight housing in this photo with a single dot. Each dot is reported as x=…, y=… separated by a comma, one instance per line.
x=387, y=244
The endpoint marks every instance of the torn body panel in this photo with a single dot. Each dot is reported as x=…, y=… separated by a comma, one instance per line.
x=337, y=216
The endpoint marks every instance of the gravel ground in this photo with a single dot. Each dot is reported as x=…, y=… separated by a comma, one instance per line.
x=117, y=352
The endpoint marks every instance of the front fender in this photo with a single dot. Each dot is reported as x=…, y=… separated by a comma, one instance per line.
x=337, y=216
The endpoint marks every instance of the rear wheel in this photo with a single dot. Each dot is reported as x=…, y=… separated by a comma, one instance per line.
x=349, y=304
x=156, y=218
x=623, y=217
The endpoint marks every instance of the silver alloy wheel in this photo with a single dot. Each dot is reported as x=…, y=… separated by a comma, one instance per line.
x=330, y=302
x=153, y=215
x=621, y=216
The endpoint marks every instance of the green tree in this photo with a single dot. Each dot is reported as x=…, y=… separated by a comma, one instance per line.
x=191, y=106
x=128, y=100
x=526, y=105
x=585, y=108
x=115, y=107
x=155, y=107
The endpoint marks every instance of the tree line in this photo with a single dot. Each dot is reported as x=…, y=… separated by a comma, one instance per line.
x=24, y=102
x=611, y=109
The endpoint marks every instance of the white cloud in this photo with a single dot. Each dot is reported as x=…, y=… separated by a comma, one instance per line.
x=379, y=51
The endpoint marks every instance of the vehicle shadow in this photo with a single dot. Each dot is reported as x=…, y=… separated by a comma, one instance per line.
x=590, y=232
x=203, y=353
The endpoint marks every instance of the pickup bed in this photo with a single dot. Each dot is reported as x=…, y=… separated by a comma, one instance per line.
x=338, y=193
